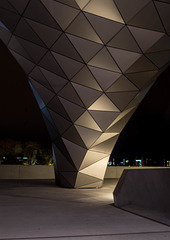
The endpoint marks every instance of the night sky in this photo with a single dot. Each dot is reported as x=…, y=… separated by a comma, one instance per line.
x=20, y=115
x=147, y=132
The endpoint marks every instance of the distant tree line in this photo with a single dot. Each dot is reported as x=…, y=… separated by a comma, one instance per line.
x=24, y=152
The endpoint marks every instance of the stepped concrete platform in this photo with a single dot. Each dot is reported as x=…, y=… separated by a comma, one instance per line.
x=38, y=210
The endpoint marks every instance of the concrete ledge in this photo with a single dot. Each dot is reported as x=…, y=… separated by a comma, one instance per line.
x=47, y=172
x=116, y=171
x=26, y=172
x=148, y=188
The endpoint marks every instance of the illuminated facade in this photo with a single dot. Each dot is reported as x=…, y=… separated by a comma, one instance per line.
x=89, y=63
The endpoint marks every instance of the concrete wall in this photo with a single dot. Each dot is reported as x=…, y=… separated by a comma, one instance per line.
x=26, y=172
x=116, y=172
x=144, y=188
x=47, y=172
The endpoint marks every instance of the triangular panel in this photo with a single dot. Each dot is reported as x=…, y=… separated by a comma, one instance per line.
x=122, y=84
x=47, y=19
x=164, y=10
x=141, y=79
x=162, y=45
x=85, y=181
x=83, y=92
x=128, y=9
x=142, y=65
x=104, y=119
x=10, y=23
x=69, y=66
x=145, y=38
x=86, y=120
x=69, y=93
x=122, y=99
x=148, y=18
x=104, y=60
x=73, y=136
x=159, y=58
x=124, y=58
x=91, y=170
x=88, y=136
x=105, y=28
x=37, y=75
x=74, y=111
x=24, y=31
x=70, y=3
x=103, y=104
x=49, y=63
x=59, y=11
x=68, y=50
x=107, y=146
x=36, y=52
x=19, y=5
x=121, y=121
x=56, y=106
x=92, y=157
x=61, y=123
x=104, y=78
x=76, y=152
x=87, y=49
x=85, y=31
x=82, y=3
x=104, y=137
x=55, y=81
x=47, y=34
x=15, y=45
x=25, y=64
x=119, y=41
x=45, y=94
x=62, y=163
x=106, y=9
x=68, y=178
x=85, y=78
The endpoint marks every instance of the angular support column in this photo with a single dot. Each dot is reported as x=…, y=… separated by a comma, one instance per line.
x=89, y=64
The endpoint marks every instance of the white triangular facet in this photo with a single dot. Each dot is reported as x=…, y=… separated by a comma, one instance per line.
x=106, y=9
x=87, y=121
x=100, y=166
x=103, y=104
x=85, y=31
x=104, y=137
x=92, y=157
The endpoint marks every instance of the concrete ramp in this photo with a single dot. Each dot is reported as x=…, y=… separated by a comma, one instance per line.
x=145, y=192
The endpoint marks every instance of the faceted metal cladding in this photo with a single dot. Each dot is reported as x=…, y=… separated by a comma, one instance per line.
x=89, y=63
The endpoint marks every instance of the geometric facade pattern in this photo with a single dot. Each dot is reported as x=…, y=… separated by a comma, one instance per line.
x=89, y=63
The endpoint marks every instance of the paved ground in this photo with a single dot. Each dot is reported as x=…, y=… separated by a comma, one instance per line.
x=41, y=211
